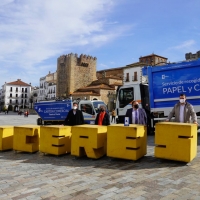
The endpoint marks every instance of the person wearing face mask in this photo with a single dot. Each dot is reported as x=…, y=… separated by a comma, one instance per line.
x=183, y=111
x=103, y=117
x=74, y=117
x=136, y=115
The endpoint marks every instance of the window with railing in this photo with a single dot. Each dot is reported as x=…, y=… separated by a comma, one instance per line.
x=135, y=77
x=127, y=77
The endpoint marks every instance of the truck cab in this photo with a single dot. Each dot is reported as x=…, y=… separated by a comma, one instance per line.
x=125, y=96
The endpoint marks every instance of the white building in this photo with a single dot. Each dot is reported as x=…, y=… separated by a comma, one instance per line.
x=132, y=74
x=47, y=88
x=16, y=95
x=1, y=100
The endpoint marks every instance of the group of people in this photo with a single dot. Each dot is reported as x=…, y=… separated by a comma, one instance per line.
x=182, y=111
x=75, y=116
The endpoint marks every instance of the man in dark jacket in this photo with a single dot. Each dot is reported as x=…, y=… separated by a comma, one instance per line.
x=103, y=117
x=75, y=116
x=136, y=115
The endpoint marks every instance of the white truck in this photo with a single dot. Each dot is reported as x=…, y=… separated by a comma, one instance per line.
x=160, y=88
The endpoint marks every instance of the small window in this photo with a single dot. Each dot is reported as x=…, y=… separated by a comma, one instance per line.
x=127, y=77
x=135, y=76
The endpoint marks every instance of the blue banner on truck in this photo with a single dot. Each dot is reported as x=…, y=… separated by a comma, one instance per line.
x=167, y=82
x=57, y=110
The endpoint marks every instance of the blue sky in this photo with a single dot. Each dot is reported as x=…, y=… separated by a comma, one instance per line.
x=34, y=33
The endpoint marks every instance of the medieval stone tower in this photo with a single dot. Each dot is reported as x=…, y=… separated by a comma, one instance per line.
x=74, y=72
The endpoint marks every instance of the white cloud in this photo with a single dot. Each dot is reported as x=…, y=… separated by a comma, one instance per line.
x=32, y=32
x=184, y=45
x=4, y=2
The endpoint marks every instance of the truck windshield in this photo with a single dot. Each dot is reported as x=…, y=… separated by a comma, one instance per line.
x=126, y=96
x=97, y=105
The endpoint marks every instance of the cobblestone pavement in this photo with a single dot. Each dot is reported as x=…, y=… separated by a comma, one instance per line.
x=37, y=176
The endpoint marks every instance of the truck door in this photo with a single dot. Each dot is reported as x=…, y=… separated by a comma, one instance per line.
x=126, y=96
x=144, y=91
x=88, y=112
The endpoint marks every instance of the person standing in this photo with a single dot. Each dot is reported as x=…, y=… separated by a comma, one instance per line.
x=103, y=117
x=74, y=117
x=136, y=115
x=183, y=111
x=113, y=115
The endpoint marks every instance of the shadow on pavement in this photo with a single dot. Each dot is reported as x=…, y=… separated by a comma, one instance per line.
x=146, y=162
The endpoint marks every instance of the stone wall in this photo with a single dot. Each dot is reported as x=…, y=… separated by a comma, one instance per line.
x=110, y=72
x=104, y=95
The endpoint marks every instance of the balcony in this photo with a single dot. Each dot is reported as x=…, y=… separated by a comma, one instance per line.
x=13, y=97
x=12, y=103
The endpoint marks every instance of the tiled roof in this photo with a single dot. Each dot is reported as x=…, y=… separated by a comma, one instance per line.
x=86, y=93
x=18, y=82
x=152, y=55
x=99, y=86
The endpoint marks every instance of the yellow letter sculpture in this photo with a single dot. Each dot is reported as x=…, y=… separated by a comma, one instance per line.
x=176, y=141
x=55, y=140
x=126, y=142
x=89, y=140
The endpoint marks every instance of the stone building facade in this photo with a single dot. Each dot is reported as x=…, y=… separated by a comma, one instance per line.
x=100, y=89
x=191, y=56
x=74, y=72
x=114, y=72
x=153, y=59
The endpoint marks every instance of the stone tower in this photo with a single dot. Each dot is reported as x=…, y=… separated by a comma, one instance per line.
x=74, y=72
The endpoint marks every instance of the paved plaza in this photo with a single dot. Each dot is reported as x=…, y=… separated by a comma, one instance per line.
x=37, y=176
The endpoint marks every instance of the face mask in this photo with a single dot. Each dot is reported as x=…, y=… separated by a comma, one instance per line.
x=74, y=107
x=136, y=106
x=182, y=100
